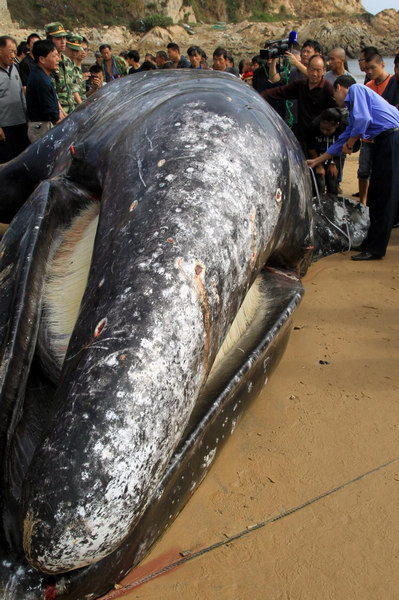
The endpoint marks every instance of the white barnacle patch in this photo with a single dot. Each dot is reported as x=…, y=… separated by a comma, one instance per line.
x=111, y=415
x=189, y=172
x=112, y=360
x=209, y=458
x=170, y=177
x=146, y=343
x=215, y=291
x=340, y=213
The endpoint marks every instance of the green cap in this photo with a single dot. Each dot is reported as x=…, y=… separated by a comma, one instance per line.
x=74, y=41
x=55, y=29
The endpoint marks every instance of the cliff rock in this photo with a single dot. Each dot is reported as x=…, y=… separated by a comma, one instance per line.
x=5, y=17
x=246, y=38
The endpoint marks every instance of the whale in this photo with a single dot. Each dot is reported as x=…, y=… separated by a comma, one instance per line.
x=143, y=228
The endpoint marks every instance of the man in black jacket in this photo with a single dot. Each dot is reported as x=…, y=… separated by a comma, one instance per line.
x=27, y=64
x=314, y=94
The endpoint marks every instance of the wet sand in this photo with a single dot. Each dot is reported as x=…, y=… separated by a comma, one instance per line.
x=302, y=502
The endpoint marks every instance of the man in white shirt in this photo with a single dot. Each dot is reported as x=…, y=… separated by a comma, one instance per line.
x=336, y=62
x=13, y=127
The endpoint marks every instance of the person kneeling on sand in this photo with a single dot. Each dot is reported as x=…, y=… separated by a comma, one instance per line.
x=371, y=118
x=324, y=131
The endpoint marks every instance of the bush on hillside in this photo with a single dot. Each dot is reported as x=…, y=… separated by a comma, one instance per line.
x=156, y=20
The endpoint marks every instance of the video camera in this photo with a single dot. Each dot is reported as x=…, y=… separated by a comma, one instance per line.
x=279, y=47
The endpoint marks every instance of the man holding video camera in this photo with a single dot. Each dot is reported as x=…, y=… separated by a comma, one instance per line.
x=314, y=94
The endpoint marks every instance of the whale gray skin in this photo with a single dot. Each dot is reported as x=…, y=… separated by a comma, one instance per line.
x=200, y=186
x=339, y=224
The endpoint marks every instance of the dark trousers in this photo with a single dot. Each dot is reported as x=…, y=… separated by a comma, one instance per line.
x=327, y=183
x=16, y=141
x=383, y=195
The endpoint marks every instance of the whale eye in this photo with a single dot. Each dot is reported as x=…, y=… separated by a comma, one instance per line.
x=100, y=327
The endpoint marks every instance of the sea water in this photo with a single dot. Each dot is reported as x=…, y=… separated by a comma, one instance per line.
x=355, y=71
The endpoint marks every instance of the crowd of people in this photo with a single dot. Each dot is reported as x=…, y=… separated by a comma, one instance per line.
x=44, y=80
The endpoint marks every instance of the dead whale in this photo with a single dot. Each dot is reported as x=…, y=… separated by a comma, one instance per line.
x=189, y=185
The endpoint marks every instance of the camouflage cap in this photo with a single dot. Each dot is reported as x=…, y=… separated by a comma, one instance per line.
x=74, y=41
x=55, y=29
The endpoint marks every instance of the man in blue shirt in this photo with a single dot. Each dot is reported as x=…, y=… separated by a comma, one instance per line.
x=371, y=118
x=42, y=103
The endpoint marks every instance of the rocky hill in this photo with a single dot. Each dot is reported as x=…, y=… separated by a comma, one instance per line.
x=246, y=37
x=124, y=12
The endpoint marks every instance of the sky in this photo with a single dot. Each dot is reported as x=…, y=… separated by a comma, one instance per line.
x=375, y=6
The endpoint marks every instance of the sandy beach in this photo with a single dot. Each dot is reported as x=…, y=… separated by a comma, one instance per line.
x=301, y=504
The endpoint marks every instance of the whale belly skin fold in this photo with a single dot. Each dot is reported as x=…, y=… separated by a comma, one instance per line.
x=200, y=185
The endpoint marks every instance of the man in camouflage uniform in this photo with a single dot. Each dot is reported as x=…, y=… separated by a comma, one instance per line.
x=64, y=76
x=75, y=51
x=113, y=66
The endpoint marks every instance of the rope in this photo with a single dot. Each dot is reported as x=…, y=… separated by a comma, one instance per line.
x=248, y=531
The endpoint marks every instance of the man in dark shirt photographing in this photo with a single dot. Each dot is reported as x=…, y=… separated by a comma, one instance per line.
x=314, y=94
